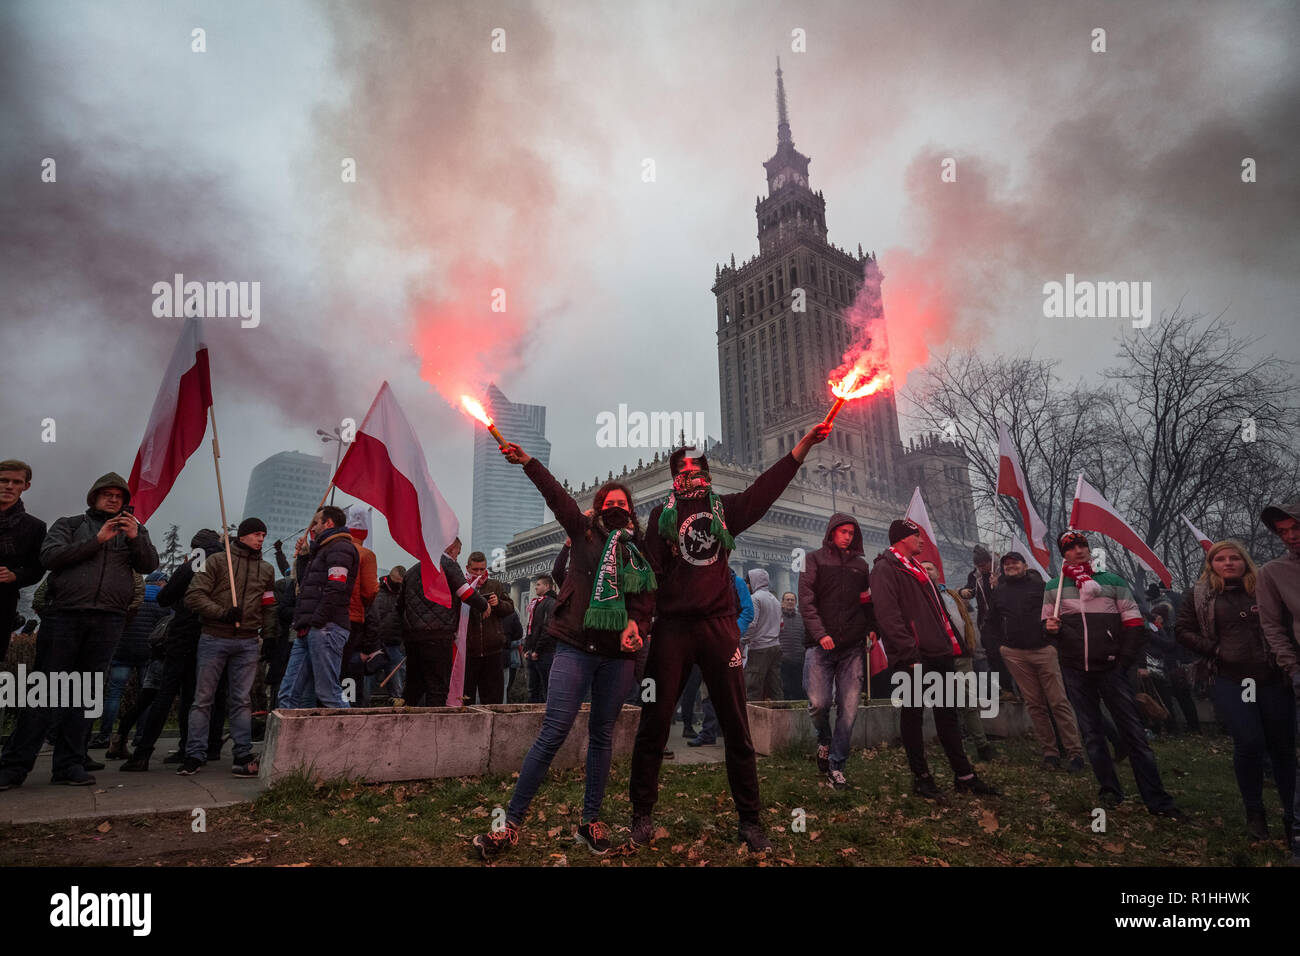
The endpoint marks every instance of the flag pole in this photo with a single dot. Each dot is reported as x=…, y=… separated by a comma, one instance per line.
x=1060, y=584
x=221, y=498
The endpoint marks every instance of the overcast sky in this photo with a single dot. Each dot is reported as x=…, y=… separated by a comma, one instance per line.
x=523, y=170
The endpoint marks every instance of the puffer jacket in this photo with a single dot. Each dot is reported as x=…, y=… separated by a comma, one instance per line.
x=1015, y=612
x=831, y=586
x=384, y=607
x=89, y=576
x=133, y=646
x=1100, y=632
x=209, y=594
x=417, y=620
x=484, y=635
x=326, y=582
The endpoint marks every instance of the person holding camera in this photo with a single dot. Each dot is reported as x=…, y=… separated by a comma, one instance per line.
x=93, y=559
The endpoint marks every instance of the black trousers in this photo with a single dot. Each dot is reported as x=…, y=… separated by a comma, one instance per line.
x=676, y=645
x=180, y=661
x=428, y=673
x=485, y=677
x=945, y=723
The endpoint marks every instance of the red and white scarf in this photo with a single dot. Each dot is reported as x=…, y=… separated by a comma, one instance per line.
x=918, y=572
x=1078, y=573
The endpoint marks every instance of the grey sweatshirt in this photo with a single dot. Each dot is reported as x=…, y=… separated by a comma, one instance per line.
x=1278, y=592
x=765, y=630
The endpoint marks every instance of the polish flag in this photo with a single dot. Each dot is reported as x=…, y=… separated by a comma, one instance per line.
x=456, y=687
x=385, y=467
x=176, y=425
x=877, y=659
x=1199, y=535
x=1092, y=512
x=1011, y=481
x=929, y=550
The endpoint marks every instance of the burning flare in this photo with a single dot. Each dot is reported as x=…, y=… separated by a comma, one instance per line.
x=848, y=388
x=475, y=408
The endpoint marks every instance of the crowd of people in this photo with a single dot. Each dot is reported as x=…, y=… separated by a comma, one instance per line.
x=629, y=606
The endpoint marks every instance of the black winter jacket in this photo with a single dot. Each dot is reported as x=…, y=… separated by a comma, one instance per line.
x=88, y=576
x=417, y=620
x=831, y=588
x=1015, y=613
x=21, y=535
x=325, y=588
x=185, y=628
x=133, y=646
x=1225, y=628
x=539, y=639
x=584, y=559
x=909, y=614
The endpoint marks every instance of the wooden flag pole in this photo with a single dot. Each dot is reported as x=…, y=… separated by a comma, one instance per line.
x=1060, y=586
x=221, y=498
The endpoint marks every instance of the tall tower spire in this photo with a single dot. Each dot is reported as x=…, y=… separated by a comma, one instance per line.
x=782, y=120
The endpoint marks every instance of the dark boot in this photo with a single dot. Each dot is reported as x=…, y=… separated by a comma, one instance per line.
x=975, y=785
x=117, y=749
x=1257, y=826
x=927, y=788
x=138, y=762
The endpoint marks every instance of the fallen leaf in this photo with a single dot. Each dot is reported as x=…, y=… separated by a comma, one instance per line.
x=1113, y=847
x=372, y=819
x=815, y=836
x=343, y=841
x=661, y=833
x=679, y=847
x=242, y=859
x=554, y=831
x=291, y=865
x=104, y=827
x=988, y=821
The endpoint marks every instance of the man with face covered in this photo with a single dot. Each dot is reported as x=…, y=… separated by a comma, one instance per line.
x=688, y=541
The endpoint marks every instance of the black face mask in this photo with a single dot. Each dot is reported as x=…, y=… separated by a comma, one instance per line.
x=616, y=517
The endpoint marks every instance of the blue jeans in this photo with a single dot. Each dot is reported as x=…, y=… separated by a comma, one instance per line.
x=215, y=655
x=118, y=675
x=573, y=674
x=312, y=674
x=1265, y=726
x=1086, y=690
x=837, y=672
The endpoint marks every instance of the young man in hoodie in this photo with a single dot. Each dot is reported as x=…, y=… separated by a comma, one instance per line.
x=1099, y=635
x=920, y=642
x=1015, y=616
x=230, y=624
x=689, y=542
x=327, y=570
x=834, y=599
x=762, y=641
x=94, y=561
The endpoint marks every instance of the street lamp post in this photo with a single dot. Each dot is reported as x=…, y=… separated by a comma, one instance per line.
x=337, y=438
x=834, y=471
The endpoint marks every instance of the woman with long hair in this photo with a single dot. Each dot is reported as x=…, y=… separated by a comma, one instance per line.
x=601, y=618
x=1219, y=620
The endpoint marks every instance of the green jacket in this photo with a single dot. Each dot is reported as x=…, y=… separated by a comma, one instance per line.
x=209, y=594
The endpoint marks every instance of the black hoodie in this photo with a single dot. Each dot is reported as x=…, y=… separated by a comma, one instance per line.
x=831, y=588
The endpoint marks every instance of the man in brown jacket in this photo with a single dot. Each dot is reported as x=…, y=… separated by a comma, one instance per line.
x=228, y=640
x=484, y=639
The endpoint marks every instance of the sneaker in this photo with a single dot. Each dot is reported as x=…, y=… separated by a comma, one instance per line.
x=643, y=830
x=690, y=733
x=977, y=786
x=117, y=749
x=248, y=768
x=10, y=779
x=986, y=753
x=174, y=756
x=823, y=758
x=752, y=835
x=1077, y=765
x=98, y=742
x=837, y=780
x=595, y=836
x=495, y=842
x=189, y=767
x=76, y=777
x=1051, y=763
x=700, y=741
x=89, y=764
x=927, y=788
x=669, y=755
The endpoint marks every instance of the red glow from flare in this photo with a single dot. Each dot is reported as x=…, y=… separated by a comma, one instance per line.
x=848, y=387
x=475, y=408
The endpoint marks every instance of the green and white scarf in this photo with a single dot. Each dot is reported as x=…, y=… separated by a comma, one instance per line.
x=623, y=570
x=717, y=528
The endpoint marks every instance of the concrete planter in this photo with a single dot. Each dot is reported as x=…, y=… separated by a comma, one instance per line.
x=778, y=724
x=516, y=726
x=377, y=744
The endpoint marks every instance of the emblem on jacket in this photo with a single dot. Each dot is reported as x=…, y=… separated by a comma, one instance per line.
x=698, y=545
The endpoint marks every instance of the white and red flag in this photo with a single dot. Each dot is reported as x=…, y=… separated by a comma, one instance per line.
x=385, y=467
x=1011, y=482
x=1092, y=512
x=176, y=425
x=929, y=549
x=1197, y=533
x=456, y=687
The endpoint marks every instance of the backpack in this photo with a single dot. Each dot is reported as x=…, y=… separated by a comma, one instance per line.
x=158, y=636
